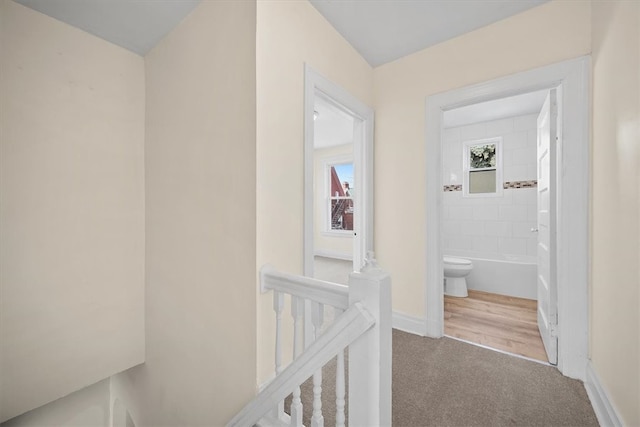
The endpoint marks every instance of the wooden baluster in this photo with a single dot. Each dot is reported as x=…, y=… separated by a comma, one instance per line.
x=317, y=317
x=278, y=305
x=340, y=391
x=297, y=309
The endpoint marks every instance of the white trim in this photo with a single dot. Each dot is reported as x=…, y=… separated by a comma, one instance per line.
x=266, y=382
x=434, y=329
x=410, y=324
x=341, y=234
x=497, y=350
x=333, y=254
x=267, y=421
x=315, y=84
x=602, y=406
x=347, y=329
x=573, y=196
x=307, y=288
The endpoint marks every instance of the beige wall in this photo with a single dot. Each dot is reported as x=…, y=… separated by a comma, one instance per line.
x=323, y=243
x=72, y=217
x=88, y=407
x=615, y=273
x=546, y=34
x=72, y=209
x=200, y=152
x=290, y=33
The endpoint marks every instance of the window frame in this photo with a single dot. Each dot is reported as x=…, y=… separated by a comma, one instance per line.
x=466, y=167
x=328, y=197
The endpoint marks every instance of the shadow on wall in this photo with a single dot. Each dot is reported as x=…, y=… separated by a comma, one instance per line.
x=121, y=417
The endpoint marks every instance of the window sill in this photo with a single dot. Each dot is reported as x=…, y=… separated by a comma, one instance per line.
x=338, y=233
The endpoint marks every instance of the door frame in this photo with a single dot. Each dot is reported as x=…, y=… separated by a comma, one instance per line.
x=572, y=213
x=363, y=164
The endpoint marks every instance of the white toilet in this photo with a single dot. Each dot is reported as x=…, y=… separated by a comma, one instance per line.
x=455, y=272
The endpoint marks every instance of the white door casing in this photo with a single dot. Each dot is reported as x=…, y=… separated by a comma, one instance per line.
x=362, y=160
x=572, y=78
x=363, y=115
x=546, y=280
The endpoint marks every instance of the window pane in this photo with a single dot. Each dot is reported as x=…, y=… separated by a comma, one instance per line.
x=341, y=214
x=341, y=185
x=482, y=156
x=482, y=182
x=342, y=180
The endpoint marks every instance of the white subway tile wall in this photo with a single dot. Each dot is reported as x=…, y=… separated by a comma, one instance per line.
x=492, y=226
x=513, y=213
x=499, y=127
x=475, y=131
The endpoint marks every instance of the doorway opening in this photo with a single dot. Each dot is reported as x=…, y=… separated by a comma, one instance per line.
x=489, y=224
x=338, y=190
x=571, y=210
x=341, y=225
x=335, y=190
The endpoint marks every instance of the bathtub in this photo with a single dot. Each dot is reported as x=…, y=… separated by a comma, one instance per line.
x=515, y=276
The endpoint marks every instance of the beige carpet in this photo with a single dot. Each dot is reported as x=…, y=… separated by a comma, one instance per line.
x=450, y=383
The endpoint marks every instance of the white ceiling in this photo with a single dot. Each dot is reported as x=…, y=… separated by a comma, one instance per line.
x=332, y=126
x=519, y=105
x=385, y=30
x=136, y=25
x=381, y=30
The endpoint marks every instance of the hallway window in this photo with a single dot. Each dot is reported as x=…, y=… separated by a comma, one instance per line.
x=482, y=168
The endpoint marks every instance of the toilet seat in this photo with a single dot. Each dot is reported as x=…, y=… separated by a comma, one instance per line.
x=456, y=261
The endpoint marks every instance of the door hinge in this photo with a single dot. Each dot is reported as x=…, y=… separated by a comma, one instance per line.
x=553, y=327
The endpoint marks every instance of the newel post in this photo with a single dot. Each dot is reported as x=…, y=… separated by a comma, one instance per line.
x=370, y=355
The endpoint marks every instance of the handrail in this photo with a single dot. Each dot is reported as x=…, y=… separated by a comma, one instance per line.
x=346, y=329
x=328, y=293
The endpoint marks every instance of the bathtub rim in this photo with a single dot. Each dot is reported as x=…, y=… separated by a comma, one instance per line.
x=510, y=259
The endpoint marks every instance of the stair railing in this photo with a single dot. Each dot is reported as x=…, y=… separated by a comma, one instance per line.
x=362, y=323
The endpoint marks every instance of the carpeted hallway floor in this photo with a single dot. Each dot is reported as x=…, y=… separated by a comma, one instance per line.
x=444, y=382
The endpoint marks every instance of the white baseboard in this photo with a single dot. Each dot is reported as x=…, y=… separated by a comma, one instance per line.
x=602, y=406
x=407, y=323
x=266, y=382
x=333, y=254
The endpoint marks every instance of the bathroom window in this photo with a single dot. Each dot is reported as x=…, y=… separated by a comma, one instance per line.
x=482, y=168
x=340, y=198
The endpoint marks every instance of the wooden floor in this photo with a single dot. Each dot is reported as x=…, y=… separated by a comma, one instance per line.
x=496, y=321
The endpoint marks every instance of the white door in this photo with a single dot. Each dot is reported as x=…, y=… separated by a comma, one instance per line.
x=547, y=286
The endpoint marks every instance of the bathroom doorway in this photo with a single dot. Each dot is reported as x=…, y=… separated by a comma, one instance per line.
x=571, y=258
x=489, y=217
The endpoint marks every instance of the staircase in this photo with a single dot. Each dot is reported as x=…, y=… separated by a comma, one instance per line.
x=362, y=324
